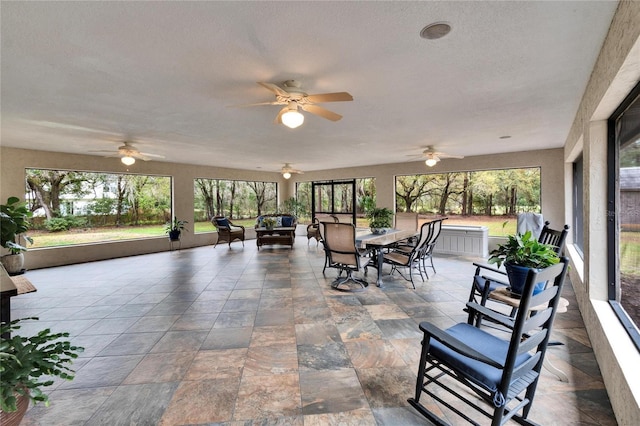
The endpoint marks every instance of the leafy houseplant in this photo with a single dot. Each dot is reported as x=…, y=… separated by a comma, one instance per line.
x=380, y=218
x=175, y=228
x=14, y=222
x=269, y=222
x=521, y=253
x=30, y=363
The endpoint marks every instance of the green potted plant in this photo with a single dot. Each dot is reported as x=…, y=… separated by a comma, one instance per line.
x=269, y=222
x=521, y=253
x=380, y=219
x=29, y=364
x=14, y=222
x=175, y=228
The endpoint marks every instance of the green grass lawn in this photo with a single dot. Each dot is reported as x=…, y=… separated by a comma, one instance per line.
x=102, y=234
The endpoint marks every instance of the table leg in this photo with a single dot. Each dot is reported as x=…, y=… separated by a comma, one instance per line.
x=380, y=263
x=555, y=370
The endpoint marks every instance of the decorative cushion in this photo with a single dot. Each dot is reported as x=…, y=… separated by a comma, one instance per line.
x=260, y=219
x=224, y=222
x=287, y=221
x=278, y=221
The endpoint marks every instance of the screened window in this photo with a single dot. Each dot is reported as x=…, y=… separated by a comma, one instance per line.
x=74, y=207
x=624, y=202
x=489, y=198
x=578, y=202
x=241, y=201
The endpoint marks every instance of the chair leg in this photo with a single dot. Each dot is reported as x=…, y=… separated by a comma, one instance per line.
x=348, y=277
x=411, y=277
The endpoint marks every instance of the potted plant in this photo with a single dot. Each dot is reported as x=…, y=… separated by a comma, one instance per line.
x=14, y=222
x=29, y=364
x=380, y=219
x=521, y=253
x=269, y=223
x=175, y=228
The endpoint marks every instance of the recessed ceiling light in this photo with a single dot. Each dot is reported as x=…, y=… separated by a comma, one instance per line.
x=505, y=137
x=435, y=31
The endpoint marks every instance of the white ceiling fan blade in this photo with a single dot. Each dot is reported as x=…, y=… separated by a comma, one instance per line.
x=256, y=104
x=322, y=112
x=330, y=97
x=273, y=88
x=146, y=154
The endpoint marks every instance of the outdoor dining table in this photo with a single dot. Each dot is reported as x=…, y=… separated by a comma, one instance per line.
x=365, y=239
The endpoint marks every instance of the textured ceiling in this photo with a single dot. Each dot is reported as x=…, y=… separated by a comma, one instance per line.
x=83, y=76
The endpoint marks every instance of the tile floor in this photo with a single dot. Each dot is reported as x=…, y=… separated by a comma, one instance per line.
x=237, y=336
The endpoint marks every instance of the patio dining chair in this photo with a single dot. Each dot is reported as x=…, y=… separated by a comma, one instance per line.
x=340, y=245
x=409, y=257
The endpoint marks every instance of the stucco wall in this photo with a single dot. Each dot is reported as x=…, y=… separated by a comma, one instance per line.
x=14, y=161
x=615, y=73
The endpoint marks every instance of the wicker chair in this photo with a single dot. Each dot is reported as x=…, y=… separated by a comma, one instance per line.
x=227, y=231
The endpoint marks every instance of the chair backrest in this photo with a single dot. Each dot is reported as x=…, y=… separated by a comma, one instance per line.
x=532, y=332
x=426, y=231
x=322, y=220
x=435, y=228
x=406, y=221
x=340, y=243
x=554, y=237
x=220, y=222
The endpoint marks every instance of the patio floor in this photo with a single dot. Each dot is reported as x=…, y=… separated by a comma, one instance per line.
x=239, y=336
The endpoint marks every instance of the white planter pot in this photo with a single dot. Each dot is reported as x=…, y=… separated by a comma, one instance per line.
x=13, y=263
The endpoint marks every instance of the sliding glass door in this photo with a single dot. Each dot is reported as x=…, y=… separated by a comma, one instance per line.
x=335, y=198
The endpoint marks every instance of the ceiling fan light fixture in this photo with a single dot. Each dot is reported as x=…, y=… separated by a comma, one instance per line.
x=292, y=119
x=431, y=160
x=127, y=160
x=286, y=175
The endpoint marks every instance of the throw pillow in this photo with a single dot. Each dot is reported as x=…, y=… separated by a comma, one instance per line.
x=287, y=221
x=278, y=221
x=260, y=224
x=223, y=222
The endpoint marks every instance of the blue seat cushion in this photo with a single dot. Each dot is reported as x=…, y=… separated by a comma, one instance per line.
x=287, y=221
x=224, y=222
x=483, y=342
x=493, y=285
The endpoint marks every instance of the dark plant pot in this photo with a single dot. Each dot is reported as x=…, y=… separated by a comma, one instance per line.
x=518, y=278
x=174, y=235
x=15, y=417
x=269, y=227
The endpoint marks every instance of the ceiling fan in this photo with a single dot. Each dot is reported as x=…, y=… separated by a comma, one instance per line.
x=294, y=99
x=128, y=154
x=287, y=170
x=432, y=157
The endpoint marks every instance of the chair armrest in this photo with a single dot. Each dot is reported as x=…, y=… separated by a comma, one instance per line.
x=235, y=226
x=456, y=345
x=488, y=267
x=498, y=317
